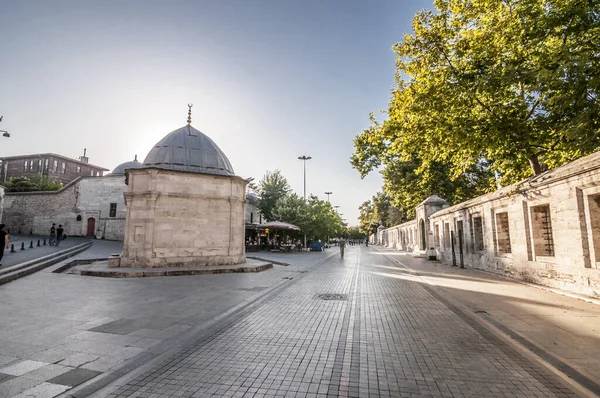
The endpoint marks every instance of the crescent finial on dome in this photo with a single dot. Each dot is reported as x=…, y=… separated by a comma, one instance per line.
x=190, y=114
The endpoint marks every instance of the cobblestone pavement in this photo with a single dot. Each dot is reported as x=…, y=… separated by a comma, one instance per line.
x=371, y=335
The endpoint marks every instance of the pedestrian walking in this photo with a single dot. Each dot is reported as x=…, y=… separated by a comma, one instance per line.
x=342, y=244
x=59, y=234
x=3, y=242
x=52, y=234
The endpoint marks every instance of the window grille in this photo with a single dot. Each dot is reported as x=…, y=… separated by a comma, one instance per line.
x=542, y=231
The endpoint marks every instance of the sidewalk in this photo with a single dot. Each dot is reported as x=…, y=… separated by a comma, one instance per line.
x=566, y=328
x=20, y=256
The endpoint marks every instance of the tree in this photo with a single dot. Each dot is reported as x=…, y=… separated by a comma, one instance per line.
x=379, y=211
x=292, y=209
x=272, y=187
x=37, y=183
x=514, y=82
x=355, y=233
x=325, y=222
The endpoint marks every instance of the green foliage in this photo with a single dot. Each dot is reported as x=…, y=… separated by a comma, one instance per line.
x=515, y=82
x=488, y=92
x=292, y=209
x=37, y=183
x=356, y=233
x=324, y=220
x=315, y=217
x=272, y=187
x=379, y=211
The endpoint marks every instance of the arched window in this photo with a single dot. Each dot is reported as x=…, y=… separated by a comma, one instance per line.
x=79, y=218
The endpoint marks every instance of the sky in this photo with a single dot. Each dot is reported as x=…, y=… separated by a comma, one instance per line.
x=270, y=80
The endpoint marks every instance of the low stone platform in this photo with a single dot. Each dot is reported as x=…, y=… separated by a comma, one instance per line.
x=100, y=268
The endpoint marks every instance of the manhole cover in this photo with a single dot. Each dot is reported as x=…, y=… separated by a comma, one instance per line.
x=332, y=296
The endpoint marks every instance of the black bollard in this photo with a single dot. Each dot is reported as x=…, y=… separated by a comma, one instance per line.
x=31, y=245
x=44, y=242
x=22, y=245
x=38, y=243
x=12, y=248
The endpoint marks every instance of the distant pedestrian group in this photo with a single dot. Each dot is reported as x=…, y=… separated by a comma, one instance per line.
x=56, y=234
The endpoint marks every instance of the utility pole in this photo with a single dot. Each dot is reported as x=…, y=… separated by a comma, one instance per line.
x=328, y=193
x=304, y=158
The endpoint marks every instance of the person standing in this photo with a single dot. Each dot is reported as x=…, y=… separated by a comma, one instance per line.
x=342, y=244
x=53, y=234
x=59, y=234
x=3, y=242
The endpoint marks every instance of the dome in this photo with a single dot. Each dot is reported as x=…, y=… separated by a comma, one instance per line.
x=120, y=169
x=187, y=149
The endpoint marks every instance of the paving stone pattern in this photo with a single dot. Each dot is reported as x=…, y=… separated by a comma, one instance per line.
x=391, y=338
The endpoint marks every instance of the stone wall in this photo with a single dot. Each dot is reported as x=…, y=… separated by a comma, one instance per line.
x=545, y=229
x=180, y=218
x=86, y=200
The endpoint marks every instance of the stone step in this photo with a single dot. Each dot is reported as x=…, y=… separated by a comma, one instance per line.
x=20, y=270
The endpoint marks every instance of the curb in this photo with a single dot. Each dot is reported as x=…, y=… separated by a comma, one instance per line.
x=114, y=273
x=29, y=267
x=270, y=261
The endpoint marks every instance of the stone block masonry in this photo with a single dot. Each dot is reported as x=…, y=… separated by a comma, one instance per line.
x=180, y=218
x=88, y=206
x=545, y=230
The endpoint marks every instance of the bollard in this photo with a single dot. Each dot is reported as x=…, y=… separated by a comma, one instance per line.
x=38, y=243
x=44, y=242
x=22, y=245
x=12, y=248
x=31, y=245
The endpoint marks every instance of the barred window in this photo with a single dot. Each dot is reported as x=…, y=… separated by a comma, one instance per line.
x=503, y=233
x=113, y=210
x=541, y=223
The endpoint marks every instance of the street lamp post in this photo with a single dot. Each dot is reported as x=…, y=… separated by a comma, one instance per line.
x=328, y=193
x=304, y=158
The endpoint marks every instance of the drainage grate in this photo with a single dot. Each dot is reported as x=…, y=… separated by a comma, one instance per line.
x=332, y=296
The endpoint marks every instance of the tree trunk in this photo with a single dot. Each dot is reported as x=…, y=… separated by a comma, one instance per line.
x=534, y=162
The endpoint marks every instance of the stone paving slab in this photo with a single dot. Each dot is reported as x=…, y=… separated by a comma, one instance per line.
x=564, y=327
x=48, y=317
x=388, y=337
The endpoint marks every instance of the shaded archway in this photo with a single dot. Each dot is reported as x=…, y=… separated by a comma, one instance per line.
x=422, y=233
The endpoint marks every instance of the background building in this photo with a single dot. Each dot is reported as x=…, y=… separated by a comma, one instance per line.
x=87, y=206
x=56, y=167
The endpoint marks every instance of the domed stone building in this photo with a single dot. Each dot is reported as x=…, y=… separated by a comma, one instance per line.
x=185, y=206
x=120, y=169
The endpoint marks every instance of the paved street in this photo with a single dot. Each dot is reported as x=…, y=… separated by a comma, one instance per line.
x=323, y=326
x=382, y=336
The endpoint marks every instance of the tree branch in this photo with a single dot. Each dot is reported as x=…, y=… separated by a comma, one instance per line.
x=455, y=70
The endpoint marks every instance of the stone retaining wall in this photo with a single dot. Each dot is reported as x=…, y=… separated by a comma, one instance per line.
x=545, y=229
